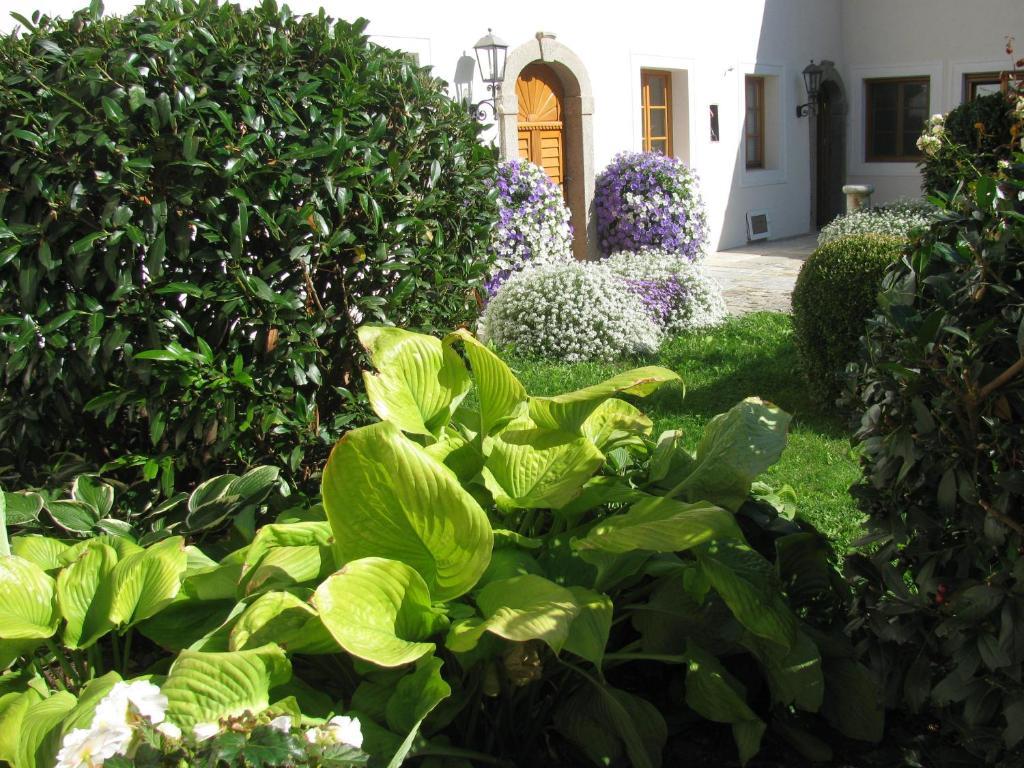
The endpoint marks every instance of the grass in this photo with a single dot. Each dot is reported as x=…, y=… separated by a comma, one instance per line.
x=750, y=355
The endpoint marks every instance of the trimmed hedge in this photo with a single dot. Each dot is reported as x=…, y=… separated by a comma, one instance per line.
x=199, y=206
x=835, y=293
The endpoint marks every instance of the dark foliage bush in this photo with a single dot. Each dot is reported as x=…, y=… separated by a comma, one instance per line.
x=198, y=205
x=941, y=599
x=835, y=293
x=981, y=129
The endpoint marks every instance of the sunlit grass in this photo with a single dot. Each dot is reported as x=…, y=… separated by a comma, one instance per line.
x=751, y=355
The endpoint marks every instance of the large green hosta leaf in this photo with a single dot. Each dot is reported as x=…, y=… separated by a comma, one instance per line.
x=14, y=703
x=379, y=610
x=28, y=610
x=661, y=525
x=420, y=380
x=853, y=700
x=39, y=741
x=205, y=687
x=148, y=580
x=750, y=587
x=588, y=633
x=386, y=497
x=736, y=447
x=84, y=594
x=568, y=411
x=499, y=391
x=713, y=693
x=521, y=608
x=606, y=722
x=794, y=676
x=614, y=423
x=282, y=618
x=529, y=467
x=41, y=550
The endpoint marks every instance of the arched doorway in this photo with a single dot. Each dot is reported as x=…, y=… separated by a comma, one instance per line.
x=541, y=71
x=830, y=153
x=541, y=132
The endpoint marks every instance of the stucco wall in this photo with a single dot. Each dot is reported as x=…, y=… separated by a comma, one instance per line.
x=942, y=39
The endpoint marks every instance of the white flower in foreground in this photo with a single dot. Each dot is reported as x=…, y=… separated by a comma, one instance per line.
x=337, y=730
x=87, y=748
x=282, y=723
x=169, y=730
x=143, y=698
x=205, y=731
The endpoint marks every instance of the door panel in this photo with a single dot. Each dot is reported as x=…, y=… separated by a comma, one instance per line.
x=541, y=131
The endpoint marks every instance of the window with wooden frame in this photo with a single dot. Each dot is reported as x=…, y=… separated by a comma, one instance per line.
x=896, y=113
x=980, y=84
x=656, y=110
x=753, y=125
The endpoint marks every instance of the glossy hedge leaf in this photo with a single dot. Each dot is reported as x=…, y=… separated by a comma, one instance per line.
x=386, y=497
x=379, y=610
x=661, y=525
x=420, y=380
x=568, y=411
x=205, y=687
x=853, y=701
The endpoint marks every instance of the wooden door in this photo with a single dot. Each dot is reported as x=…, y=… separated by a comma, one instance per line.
x=541, y=135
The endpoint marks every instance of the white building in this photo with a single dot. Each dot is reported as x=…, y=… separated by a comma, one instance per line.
x=717, y=84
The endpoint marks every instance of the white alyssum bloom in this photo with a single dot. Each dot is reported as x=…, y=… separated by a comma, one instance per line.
x=338, y=730
x=682, y=295
x=129, y=701
x=282, y=723
x=205, y=731
x=91, y=747
x=895, y=219
x=573, y=311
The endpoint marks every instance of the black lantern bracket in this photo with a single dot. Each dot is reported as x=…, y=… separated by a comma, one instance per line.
x=812, y=82
x=491, y=51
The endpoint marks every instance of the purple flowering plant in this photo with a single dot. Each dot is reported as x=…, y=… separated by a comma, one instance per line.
x=645, y=200
x=533, y=221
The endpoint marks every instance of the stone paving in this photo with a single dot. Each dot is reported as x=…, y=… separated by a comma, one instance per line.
x=760, y=275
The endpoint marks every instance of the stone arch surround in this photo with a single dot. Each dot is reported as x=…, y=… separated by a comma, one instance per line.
x=578, y=126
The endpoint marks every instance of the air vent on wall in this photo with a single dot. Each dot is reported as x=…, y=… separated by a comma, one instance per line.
x=757, y=225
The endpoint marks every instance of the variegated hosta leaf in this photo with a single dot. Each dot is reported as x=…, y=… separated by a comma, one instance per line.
x=660, y=524
x=568, y=411
x=500, y=393
x=386, y=497
x=420, y=380
x=529, y=467
x=379, y=610
x=521, y=608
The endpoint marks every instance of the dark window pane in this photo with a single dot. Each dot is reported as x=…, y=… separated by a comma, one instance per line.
x=658, y=127
x=884, y=144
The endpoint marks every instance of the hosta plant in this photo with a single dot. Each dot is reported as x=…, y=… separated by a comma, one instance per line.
x=493, y=577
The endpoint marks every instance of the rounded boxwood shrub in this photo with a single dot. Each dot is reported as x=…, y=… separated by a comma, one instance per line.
x=533, y=221
x=971, y=138
x=570, y=312
x=199, y=206
x=940, y=389
x=835, y=293
x=647, y=200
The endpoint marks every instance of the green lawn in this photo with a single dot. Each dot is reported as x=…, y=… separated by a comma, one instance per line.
x=751, y=355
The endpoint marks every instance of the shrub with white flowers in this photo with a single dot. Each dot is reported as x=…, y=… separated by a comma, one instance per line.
x=533, y=221
x=130, y=728
x=571, y=312
x=895, y=219
x=680, y=295
x=644, y=200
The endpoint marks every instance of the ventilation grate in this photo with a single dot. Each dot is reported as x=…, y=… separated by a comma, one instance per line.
x=757, y=225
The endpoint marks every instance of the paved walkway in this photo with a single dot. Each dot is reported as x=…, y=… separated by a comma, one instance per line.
x=760, y=276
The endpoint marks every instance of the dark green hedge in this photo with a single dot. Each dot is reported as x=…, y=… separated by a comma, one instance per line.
x=964, y=141
x=198, y=205
x=835, y=293
x=941, y=393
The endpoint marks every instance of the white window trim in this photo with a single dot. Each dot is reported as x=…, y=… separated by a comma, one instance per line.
x=762, y=177
x=856, y=146
x=641, y=61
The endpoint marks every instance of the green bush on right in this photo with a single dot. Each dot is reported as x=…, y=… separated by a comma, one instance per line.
x=835, y=293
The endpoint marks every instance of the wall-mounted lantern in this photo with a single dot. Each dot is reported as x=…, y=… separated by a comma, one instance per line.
x=812, y=82
x=490, y=58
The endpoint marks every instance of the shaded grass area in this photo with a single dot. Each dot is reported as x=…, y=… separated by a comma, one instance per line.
x=750, y=355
